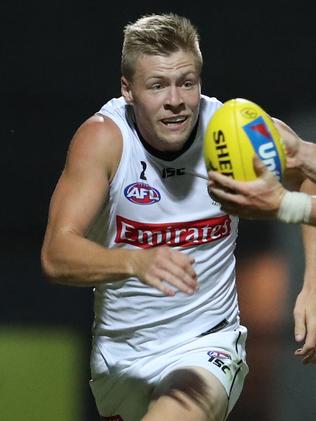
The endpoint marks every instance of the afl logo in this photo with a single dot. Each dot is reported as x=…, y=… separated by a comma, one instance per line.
x=141, y=194
x=249, y=112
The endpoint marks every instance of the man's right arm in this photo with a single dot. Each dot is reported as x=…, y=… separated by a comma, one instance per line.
x=70, y=258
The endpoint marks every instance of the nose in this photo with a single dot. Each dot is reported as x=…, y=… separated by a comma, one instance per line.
x=174, y=97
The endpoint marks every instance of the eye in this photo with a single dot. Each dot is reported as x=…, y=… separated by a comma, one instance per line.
x=156, y=86
x=188, y=84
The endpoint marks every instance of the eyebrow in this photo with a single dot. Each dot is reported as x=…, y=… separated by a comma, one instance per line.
x=180, y=76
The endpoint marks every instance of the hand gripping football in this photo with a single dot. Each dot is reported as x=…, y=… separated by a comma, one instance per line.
x=237, y=131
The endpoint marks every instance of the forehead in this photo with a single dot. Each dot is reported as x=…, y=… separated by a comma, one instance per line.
x=176, y=63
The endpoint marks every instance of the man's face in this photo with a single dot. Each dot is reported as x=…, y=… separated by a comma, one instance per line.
x=165, y=95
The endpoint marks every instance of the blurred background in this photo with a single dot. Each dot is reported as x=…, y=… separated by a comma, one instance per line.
x=60, y=61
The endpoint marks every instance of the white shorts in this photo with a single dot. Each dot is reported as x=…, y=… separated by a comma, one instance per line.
x=126, y=391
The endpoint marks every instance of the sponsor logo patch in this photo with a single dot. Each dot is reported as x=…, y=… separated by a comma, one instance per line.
x=263, y=144
x=184, y=234
x=218, y=354
x=141, y=194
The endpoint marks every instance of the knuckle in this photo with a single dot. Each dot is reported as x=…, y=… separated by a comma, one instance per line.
x=297, y=312
x=308, y=348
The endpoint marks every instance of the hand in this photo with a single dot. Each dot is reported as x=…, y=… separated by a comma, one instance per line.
x=291, y=142
x=259, y=198
x=161, y=266
x=305, y=325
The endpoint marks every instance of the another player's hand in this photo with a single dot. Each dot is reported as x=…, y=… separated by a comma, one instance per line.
x=305, y=325
x=292, y=143
x=259, y=198
x=162, y=267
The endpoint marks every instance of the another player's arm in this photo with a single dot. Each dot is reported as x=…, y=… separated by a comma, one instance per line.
x=301, y=157
x=265, y=197
x=300, y=154
x=305, y=306
x=261, y=198
x=70, y=258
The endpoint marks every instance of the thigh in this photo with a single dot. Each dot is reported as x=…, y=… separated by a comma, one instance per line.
x=121, y=397
x=190, y=393
x=127, y=391
x=217, y=355
x=118, y=395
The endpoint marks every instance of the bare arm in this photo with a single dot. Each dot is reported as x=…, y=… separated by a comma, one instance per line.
x=301, y=155
x=305, y=306
x=77, y=199
x=265, y=197
x=67, y=255
x=257, y=199
x=262, y=198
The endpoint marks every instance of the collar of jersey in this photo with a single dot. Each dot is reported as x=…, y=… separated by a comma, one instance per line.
x=168, y=155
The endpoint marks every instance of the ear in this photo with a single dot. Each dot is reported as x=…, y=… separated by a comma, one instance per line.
x=126, y=90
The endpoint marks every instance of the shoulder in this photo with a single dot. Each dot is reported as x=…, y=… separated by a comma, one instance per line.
x=100, y=129
x=97, y=140
x=208, y=106
x=208, y=101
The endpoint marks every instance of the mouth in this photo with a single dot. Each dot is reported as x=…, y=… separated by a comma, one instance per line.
x=174, y=121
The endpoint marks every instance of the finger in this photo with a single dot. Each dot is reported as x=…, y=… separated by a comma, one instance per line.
x=225, y=197
x=258, y=166
x=310, y=359
x=182, y=276
x=299, y=325
x=161, y=286
x=281, y=125
x=309, y=346
x=184, y=262
x=178, y=282
x=305, y=351
x=222, y=180
x=307, y=357
x=176, y=268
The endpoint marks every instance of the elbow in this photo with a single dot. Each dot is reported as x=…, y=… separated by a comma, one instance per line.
x=49, y=266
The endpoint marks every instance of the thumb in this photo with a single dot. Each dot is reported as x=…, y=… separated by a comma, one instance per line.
x=300, y=329
x=258, y=166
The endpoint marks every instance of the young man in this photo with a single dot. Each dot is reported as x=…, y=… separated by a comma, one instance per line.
x=131, y=216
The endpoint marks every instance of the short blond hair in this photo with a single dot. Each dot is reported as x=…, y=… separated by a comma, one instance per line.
x=158, y=35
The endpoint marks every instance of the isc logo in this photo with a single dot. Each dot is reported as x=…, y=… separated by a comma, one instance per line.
x=141, y=194
x=263, y=144
x=171, y=172
x=219, y=363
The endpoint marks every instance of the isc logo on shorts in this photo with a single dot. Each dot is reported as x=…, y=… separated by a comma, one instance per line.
x=217, y=358
x=141, y=194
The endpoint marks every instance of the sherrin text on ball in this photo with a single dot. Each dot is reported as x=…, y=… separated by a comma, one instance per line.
x=237, y=131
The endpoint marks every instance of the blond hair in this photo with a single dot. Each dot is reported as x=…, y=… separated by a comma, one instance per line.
x=158, y=35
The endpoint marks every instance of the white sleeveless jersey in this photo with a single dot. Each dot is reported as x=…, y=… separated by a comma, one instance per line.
x=154, y=202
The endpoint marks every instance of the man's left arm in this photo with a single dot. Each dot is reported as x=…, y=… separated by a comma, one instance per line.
x=305, y=306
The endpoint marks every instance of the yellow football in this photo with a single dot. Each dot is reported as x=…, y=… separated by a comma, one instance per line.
x=237, y=131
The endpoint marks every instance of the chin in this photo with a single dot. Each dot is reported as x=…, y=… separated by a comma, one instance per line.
x=174, y=144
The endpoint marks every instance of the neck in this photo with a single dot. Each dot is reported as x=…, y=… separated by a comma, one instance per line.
x=168, y=155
